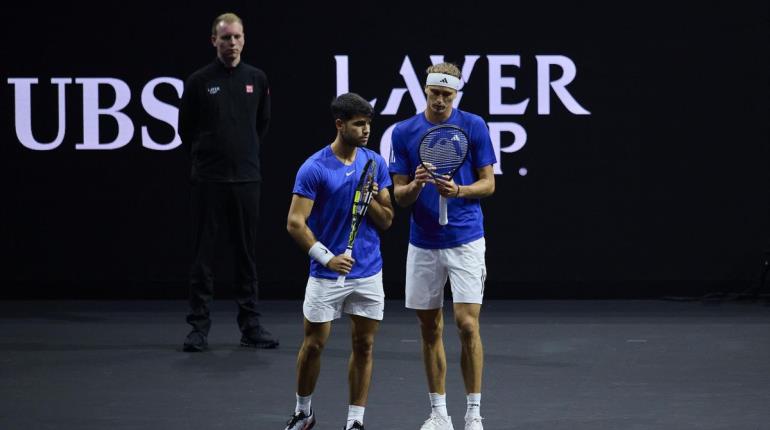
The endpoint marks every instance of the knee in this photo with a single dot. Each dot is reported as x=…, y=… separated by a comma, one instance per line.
x=312, y=347
x=468, y=328
x=431, y=332
x=363, y=345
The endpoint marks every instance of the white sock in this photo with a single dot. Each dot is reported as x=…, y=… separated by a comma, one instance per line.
x=355, y=413
x=303, y=404
x=438, y=403
x=474, y=406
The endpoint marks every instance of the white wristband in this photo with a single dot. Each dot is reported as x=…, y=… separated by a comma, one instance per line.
x=320, y=253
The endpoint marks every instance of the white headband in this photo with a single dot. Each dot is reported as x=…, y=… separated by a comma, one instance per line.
x=443, y=80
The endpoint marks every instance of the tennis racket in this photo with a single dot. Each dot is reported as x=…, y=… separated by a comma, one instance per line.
x=442, y=151
x=361, y=200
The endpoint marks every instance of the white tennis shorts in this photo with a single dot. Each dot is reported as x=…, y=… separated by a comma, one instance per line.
x=325, y=301
x=427, y=271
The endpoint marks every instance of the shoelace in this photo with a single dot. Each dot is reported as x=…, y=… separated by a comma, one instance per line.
x=473, y=420
x=296, y=418
x=435, y=417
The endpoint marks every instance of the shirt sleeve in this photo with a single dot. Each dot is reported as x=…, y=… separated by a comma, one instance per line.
x=383, y=178
x=263, y=116
x=307, y=181
x=481, y=145
x=399, y=158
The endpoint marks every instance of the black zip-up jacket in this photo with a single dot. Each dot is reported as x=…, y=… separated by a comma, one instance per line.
x=223, y=118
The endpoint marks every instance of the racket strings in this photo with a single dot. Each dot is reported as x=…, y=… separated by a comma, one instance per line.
x=444, y=149
x=362, y=198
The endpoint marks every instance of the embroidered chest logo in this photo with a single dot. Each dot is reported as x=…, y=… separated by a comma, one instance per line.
x=213, y=90
x=249, y=89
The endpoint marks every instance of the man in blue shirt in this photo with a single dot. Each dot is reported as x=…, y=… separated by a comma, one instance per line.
x=319, y=221
x=454, y=251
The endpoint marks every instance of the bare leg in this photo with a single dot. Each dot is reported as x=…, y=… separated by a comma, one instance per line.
x=309, y=357
x=433, y=355
x=472, y=358
x=360, y=364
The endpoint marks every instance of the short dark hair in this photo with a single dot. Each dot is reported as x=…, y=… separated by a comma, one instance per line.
x=348, y=105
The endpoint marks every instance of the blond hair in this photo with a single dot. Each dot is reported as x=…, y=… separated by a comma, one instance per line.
x=227, y=18
x=446, y=68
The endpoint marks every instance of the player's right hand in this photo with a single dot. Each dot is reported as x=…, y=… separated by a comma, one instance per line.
x=341, y=264
x=421, y=175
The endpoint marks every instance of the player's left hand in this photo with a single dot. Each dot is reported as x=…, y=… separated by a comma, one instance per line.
x=447, y=187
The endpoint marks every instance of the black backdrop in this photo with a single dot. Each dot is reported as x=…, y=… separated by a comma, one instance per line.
x=661, y=190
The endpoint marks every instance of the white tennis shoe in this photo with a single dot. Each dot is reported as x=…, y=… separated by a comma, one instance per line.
x=473, y=424
x=437, y=422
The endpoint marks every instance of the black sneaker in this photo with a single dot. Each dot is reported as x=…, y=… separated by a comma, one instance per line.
x=356, y=426
x=259, y=338
x=300, y=421
x=195, y=342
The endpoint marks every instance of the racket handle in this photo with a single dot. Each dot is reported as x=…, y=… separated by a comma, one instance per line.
x=442, y=216
x=341, y=278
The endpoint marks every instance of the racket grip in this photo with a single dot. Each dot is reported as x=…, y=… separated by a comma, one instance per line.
x=442, y=216
x=341, y=278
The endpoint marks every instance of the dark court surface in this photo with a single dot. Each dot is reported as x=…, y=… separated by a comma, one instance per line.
x=550, y=365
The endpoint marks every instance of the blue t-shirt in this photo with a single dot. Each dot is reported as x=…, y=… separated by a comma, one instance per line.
x=466, y=222
x=331, y=184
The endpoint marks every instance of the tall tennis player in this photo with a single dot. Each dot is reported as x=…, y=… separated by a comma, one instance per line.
x=320, y=220
x=454, y=250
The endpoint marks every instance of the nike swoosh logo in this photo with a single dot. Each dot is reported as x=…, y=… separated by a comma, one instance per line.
x=349, y=173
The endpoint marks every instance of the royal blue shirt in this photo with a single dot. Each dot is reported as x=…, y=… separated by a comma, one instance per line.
x=466, y=221
x=331, y=185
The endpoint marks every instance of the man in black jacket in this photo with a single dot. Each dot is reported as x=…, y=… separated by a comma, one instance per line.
x=223, y=118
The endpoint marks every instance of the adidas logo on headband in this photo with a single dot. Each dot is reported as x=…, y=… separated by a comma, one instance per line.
x=443, y=80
